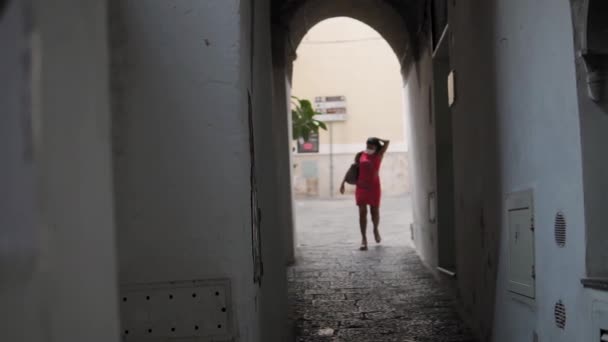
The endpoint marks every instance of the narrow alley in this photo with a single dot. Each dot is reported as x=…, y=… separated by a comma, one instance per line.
x=339, y=293
x=151, y=152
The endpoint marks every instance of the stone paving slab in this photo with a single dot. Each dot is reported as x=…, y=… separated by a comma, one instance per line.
x=340, y=294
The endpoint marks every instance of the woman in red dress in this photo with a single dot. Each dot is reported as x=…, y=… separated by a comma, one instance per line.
x=368, y=190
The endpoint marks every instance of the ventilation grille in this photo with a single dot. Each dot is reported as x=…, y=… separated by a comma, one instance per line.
x=560, y=315
x=560, y=229
x=155, y=311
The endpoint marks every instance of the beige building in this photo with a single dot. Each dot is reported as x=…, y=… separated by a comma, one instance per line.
x=342, y=58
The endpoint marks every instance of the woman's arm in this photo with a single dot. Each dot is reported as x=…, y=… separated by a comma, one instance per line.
x=385, y=144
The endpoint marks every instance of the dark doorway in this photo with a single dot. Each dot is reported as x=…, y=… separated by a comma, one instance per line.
x=443, y=98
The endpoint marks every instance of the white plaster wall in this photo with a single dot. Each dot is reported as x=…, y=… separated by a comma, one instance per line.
x=271, y=148
x=20, y=247
x=282, y=132
x=477, y=162
x=77, y=200
x=182, y=147
x=540, y=148
x=421, y=158
x=515, y=126
x=60, y=283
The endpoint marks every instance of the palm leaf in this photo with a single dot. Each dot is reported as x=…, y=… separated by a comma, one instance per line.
x=303, y=121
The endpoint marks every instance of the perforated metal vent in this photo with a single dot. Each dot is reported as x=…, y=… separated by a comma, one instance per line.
x=560, y=315
x=560, y=229
x=156, y=311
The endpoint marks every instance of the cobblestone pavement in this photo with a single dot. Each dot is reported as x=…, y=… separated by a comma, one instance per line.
x=339, y=293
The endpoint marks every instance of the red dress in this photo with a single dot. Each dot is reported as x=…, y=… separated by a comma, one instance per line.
x=368, y=185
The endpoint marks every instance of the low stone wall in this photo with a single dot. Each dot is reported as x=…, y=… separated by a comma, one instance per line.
x=311, y=174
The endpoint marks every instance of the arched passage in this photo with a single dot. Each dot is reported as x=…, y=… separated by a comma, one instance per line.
x=345, y=67
x=327, y=231
x=292, y=20
x=343, y=57
x=402, y=26
x=304, y=15
x=377, y=14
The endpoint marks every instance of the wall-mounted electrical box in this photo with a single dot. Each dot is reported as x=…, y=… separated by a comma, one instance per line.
x=520, y=224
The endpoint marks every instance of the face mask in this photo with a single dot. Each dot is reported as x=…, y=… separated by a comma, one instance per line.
x=370, y=151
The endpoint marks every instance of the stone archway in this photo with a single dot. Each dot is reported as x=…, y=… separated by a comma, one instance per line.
x=379, y=15
x=292, y=19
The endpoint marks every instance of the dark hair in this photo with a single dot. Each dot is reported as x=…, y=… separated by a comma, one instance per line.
x=375, y=142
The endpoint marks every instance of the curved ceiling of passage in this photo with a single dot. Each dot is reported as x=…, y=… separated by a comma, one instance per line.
x=375, y=13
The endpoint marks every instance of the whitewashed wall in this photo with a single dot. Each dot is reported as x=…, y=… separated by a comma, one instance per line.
x=182, y=147
x=184, y=74
x=515, y=127
x=58, y=243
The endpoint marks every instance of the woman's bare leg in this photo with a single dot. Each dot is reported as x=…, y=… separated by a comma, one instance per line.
x=363, y=225
x=376, y=221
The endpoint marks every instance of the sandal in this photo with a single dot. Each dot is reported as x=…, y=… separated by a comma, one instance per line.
x=363, y=247
x=377, y=236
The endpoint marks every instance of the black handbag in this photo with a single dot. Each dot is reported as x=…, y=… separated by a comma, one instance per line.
x=352, y=175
